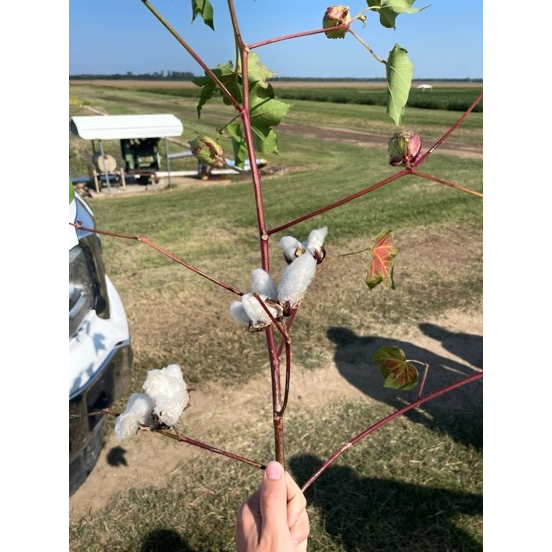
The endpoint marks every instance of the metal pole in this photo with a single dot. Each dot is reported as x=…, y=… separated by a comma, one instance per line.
x=168, y=160
x=105, y=167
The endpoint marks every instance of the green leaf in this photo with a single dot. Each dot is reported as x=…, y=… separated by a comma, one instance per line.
x=239, y=143
x=397, y=371
x=204, y=9
x=227, y=75
x=383, y=261
x=266, y=111
x=265, y=139
x=256, y=71
x=399, y=81
x=390, y=9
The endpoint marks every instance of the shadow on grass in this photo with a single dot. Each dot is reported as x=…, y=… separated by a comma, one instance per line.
x=458, y=413
x=164, y=540
x=372, y=514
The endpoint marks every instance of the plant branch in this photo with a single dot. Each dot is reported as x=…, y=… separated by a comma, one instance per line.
x=386, y=420
x=462, y=118
x=162, y=250
x=194, y=55
x=184, y=439
x=445, y=183
x=340, y=202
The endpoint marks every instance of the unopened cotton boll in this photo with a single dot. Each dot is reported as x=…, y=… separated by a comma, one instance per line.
x=262, y=283
x=136, y=414
x=291, y=247
x=169, y=392
x=295, y=280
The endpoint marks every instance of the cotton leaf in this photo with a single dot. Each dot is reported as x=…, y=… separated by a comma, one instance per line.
x=397, y=371
x=204, y=9
x=383, y=260
x=390, y=9
x=136, y=414
x=169, y=392
x=399, y=71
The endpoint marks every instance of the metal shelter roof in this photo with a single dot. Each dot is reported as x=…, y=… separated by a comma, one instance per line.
x=115, y=127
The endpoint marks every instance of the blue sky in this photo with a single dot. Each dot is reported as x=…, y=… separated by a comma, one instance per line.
x=117, y=36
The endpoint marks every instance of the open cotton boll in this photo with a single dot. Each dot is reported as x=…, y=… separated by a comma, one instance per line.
x=291, y=248
x=238, y=313
x=262, y=283
x=137, y=413
x=169, y=392
x=258, y=317
x=315, y=243
x=295, y=280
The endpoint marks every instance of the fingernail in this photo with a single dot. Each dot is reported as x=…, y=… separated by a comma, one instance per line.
x=273, y=470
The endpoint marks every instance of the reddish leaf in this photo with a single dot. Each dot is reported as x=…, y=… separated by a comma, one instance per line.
x=383, y=260
x=397, y=371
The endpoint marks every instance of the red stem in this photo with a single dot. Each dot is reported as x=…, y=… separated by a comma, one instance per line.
x=340, y=202
x=449, y=132
x=193, y=54
x=184, y=439
x=384, y=421
x=445, y=183
x=162, y=250
x=345, y=26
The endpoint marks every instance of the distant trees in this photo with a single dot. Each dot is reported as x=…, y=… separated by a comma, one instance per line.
x=129, y=75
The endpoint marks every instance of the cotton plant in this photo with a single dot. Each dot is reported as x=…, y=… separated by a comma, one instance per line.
x=302, y=259
x=165, y=398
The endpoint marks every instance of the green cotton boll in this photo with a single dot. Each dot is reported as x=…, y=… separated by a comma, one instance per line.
x=208, y=151
x=334, y=17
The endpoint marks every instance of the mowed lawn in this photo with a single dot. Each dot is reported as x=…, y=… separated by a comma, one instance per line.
x=414, y=485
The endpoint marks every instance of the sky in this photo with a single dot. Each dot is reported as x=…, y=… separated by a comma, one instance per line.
x=445, y=40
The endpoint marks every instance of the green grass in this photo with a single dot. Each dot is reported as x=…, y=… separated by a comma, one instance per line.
x=403, y=489
x=416, y=484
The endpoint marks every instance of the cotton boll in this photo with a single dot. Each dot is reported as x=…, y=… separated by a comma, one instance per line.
x=291, y=247
x=262, y=283
x=238, y=313
x=315, y=243
x=258, y=317
x=169, y=392
x=295, y=280
x=137, y=413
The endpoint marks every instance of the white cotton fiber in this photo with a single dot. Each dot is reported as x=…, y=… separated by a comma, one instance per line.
x=291, y=248
x=169, y=392
x=316, y=239
x=137, y=413
x=238, y=313
x=262, y=283
x=296, y=279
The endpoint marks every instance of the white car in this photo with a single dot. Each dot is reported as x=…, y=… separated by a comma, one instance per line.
x=100, y=352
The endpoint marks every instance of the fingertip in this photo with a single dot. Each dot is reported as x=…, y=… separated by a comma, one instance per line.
x=274, y=471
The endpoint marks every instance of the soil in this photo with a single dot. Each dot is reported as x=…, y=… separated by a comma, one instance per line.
x=134, y=463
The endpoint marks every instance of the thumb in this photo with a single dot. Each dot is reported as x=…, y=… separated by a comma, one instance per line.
x=273, y=500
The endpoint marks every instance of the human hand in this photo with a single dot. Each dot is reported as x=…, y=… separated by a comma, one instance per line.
x=274, y=518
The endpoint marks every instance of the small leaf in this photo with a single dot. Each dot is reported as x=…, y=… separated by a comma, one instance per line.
x=383, y=261
x=397, y=371
x=399, y=81
x=204, y=9
x=227, y=75
x=390, y=9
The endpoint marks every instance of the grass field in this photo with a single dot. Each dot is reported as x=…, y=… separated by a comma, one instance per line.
x=416, y=484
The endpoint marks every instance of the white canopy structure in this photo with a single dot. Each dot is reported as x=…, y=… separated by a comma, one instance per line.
x=126, y=128
x=116, y=127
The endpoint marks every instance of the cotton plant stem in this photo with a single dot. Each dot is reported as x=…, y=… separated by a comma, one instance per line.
x=162, y=250
x=445, y=183
x=384, y=421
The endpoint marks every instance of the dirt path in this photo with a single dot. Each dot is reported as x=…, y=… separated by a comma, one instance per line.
x=368, y=139
x=135, y=462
